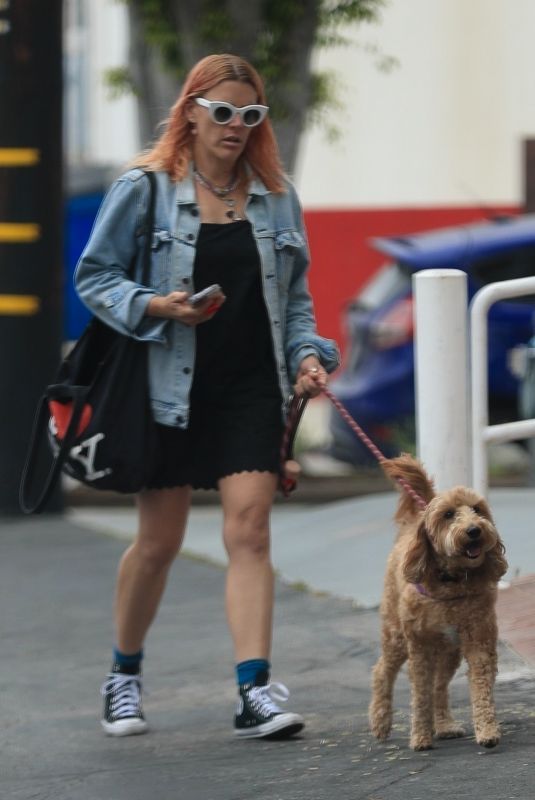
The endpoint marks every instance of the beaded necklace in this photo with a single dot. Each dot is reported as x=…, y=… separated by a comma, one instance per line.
x=221, y=192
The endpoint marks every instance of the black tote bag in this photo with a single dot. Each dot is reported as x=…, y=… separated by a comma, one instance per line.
x=97, y=414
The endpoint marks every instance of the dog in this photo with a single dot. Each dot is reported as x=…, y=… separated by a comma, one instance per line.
x=438, y=606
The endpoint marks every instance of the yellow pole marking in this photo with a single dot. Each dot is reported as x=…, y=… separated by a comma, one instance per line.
x=19, y=156
x=19, y=304
x=19, y=232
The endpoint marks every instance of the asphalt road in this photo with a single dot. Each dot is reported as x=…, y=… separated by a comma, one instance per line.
x=56, y=584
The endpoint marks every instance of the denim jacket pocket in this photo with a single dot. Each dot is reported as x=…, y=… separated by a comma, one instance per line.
x=161, y=248
x=287, y=245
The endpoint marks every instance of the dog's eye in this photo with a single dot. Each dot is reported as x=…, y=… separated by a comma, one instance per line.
x=476, y=509
x=449, y=514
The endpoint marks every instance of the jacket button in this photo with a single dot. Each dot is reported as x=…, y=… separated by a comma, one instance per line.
x=186, y=370
x=194, y=211
x=190, y=237
x=180, y=418
x=185, y=280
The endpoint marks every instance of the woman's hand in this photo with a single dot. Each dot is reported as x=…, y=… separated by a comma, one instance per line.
x=175, y=306
x=311, y=377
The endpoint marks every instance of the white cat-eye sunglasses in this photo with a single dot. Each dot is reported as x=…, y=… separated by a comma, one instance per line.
x=222, y=113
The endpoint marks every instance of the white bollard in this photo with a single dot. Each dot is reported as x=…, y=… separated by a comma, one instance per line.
x=441, y=375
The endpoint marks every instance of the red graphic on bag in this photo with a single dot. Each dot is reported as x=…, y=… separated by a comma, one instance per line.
x=62, y=413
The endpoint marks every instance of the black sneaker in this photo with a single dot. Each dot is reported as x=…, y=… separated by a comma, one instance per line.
x=258, y=716
x=123, y=715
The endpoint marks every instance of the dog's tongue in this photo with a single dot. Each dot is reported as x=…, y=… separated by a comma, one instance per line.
x=473, y=550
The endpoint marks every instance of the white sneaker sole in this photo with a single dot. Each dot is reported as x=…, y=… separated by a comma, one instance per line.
x=125, y=727
x=281, y=726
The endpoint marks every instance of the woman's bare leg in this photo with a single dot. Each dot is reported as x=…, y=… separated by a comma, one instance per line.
x=247, y=498
x=144, y=567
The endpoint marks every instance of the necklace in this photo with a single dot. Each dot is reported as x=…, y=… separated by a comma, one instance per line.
x=221, y=192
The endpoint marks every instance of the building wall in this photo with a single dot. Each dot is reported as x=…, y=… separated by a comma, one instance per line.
x=444, y=127
x=99, y=129
x=436, y=141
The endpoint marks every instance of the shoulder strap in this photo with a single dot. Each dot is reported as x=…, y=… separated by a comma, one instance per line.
x=149, y=225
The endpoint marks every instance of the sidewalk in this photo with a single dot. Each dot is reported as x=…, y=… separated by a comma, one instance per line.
x=341, y=548
x=56, y=585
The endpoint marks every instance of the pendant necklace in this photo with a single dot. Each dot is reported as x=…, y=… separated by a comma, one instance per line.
x=221, y=192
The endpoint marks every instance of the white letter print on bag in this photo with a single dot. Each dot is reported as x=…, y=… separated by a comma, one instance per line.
x=88, y=460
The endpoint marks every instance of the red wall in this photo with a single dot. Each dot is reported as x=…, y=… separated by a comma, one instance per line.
x=342, y=259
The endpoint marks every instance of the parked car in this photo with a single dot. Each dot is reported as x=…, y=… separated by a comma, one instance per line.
x=376, y=380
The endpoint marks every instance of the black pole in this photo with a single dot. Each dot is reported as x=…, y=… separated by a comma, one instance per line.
x=529, y=176
x=30, y=224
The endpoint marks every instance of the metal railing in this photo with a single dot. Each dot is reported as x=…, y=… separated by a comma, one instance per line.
x=483, y=433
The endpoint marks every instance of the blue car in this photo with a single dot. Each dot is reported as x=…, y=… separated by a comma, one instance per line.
x=376, y=380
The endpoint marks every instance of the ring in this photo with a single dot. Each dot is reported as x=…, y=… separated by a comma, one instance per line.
x=313, y=370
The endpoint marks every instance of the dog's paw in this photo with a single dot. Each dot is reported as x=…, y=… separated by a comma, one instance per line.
x=488, y=736
x=419, y=743
x=380, y=723
x=488, y=741
x=381, y=734
x=449, y=730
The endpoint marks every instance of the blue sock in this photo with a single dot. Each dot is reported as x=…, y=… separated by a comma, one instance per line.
x=253, y=670
x=130, y=663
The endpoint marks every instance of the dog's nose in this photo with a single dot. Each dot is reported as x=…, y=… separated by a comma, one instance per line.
x=473, y=532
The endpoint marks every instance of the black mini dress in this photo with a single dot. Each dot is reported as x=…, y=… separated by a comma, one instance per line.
x=235, y=420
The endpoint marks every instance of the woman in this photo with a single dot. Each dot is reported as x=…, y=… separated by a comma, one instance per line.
x=219, y=372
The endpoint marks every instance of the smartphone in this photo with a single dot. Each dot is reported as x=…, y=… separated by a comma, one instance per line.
x=210, y=291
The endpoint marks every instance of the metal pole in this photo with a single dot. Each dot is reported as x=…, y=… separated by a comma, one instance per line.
x=441, y=368
x=30, y=223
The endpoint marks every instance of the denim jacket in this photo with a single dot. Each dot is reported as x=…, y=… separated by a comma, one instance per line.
x=109, y=270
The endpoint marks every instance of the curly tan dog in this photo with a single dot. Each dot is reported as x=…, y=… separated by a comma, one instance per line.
x=439, y=606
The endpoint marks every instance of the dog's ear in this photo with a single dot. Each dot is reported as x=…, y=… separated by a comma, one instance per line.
x=495, y=565
x=495, y=562
x=417, y=556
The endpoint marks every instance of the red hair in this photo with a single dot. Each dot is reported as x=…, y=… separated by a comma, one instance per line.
x=172, y=152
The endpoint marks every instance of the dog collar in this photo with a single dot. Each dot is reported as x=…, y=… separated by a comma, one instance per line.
x=445, y=577
x=420, y=588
